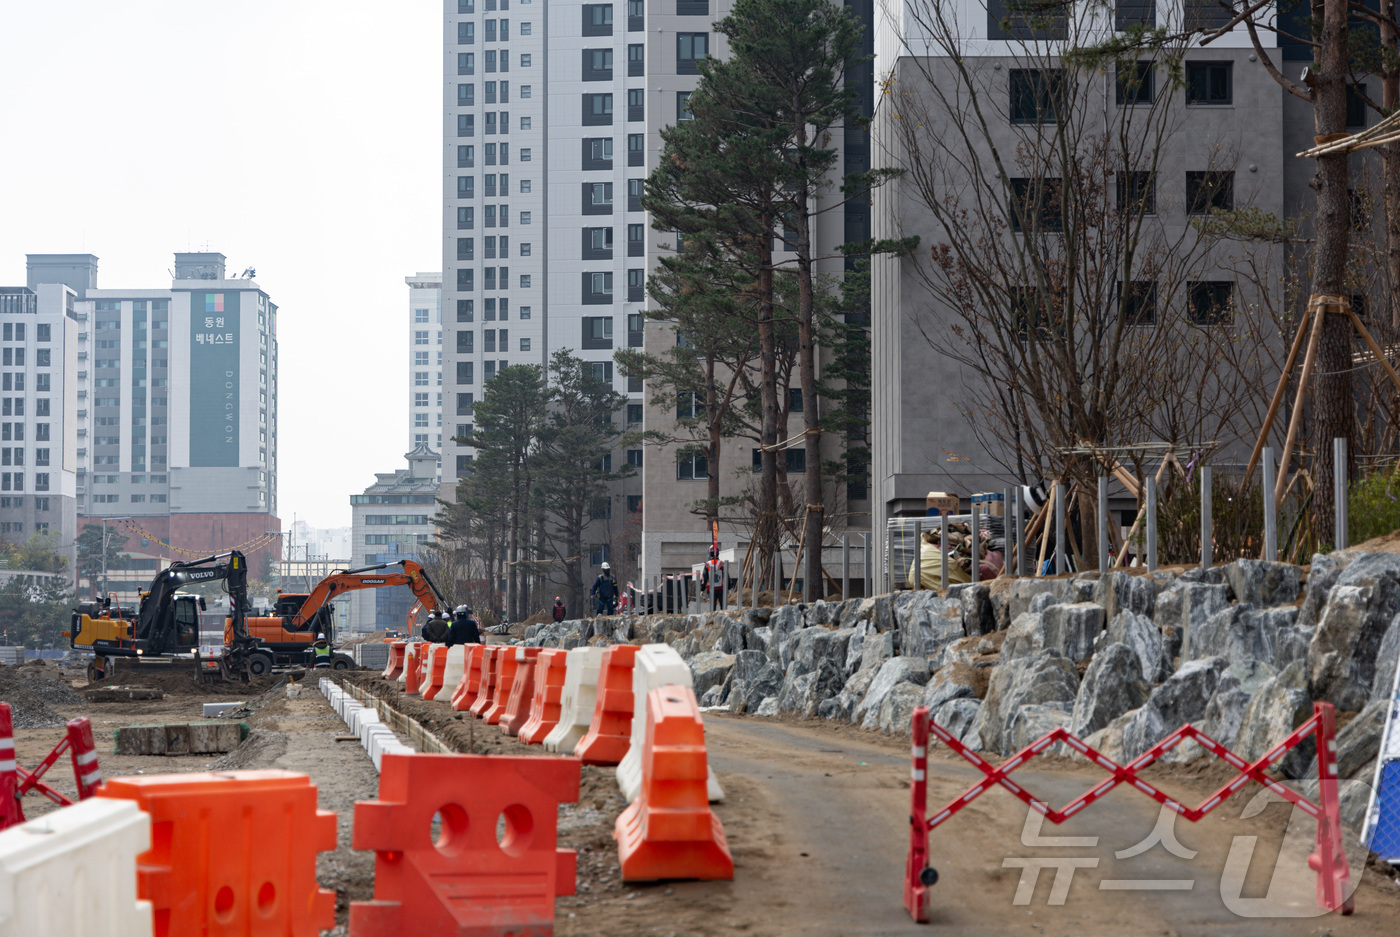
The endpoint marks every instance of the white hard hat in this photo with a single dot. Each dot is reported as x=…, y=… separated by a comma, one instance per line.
x=606, y=566
x=320, y=637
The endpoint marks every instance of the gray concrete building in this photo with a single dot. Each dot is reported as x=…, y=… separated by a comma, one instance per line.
x=425, y=361
x=389, y=521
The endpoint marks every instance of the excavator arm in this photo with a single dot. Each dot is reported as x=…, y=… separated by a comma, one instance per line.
x=154, y=623
x=411, y=575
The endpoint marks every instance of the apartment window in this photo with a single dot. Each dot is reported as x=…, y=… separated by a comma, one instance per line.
x=1210, y=302
x=464, y=249
x=1208, y=190
x=1137, y=192
x=597, y=243
x=523, y=313
x=636, y=155
x=491, y=60
x=597, y=289
x=466, y=125
x=597, y=110
x=636, y=285
x=420, y=378
x=466, y=310
x=597, y=19
x=601, y=371
x=683, y=106
x=1037, y=205
x=466, y=95
x=692, y=466
x=465, y=341
x=466, y=280
x=688, y=405
x=634, y=194
x=690, y=49
x=1035, y=94
x=634, y=504
x=524, y=29
x=466, y=33
x=597, y=332
x=634, y=413
x=597, y=153
x=466, y=218
x=489, y=339
x=489, y=280
x=1024, y=19
x=636, y=105
x=1206, y=14
x=464, y=403
x=597, y=64
x=1130, y=13
x=597, y=198
x=420, y=399
x=794, y=400
x=524, y=62
x=466, y=63
x=795, y=461
x=692, y=7
x=524, y=344
x=465, y=373
x=490, y=217
x=466, y=156
x=1356, y=107
x=636, y=16
x=490, y=127
x=1209, y=83
x=41, y=357
x=41, y=333
x=1140, y=302
x=635, y=244
x=1135, y=83
x=41, y=456
x=634, y=384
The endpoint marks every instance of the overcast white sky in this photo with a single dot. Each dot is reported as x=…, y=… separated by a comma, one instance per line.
x=298, y=137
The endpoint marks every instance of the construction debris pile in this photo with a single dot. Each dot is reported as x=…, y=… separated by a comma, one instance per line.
x=30, y=689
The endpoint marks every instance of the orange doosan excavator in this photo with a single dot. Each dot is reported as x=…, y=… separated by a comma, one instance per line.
x=299, y=617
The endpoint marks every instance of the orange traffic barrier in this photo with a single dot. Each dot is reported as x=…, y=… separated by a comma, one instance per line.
x=522, y=691
x=232, y=853
x=549, y=690
x=396, y=655
x=437, y=669
x=465, y=693
x=490, y=673
x=610, y=734
x=669, y=831
x=506, y=665
x=410, y=668
x=467, y=883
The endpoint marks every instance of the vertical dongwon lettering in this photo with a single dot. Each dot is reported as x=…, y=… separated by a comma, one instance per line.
x=213, y=379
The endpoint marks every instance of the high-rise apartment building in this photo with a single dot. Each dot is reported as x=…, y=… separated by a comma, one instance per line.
x=552, y=120
x=175, y=403
x=38, y=414
x=425, y=360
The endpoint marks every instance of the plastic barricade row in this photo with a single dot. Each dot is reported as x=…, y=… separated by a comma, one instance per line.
x=435, y=670
x=469, y=686
x=669, y=831
x=610, y=733
x=550, y=668
x=396, y=654
x=465, y=883
x=73, y=871
x=505, y=668
x=522, y=691
x=261, y=877
x=490, y=674
x=455, y=660
x=413, y=669
x=657, y=665
x=576, y=700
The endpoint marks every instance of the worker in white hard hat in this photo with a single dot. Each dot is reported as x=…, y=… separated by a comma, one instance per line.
x=604, y=592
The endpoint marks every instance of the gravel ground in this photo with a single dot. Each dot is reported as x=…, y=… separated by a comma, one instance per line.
x=32, y=690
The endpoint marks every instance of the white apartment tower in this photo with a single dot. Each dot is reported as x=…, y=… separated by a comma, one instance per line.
x=425, y=360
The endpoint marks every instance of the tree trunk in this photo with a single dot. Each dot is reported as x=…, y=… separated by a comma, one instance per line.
x=811, y=422
x=1333, y=409
x=712, y=424
x=1390, y=169
x=766, y=527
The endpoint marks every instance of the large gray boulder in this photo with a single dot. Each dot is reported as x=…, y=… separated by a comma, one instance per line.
x=1275, y=710
x=1047, y=677
x=856, y=611
x=1030, y=723
x=955, y=681
x=855, y=646
x=811, y=646
x=795, y=689
x=978, y=615
x=1243, y=632
x=710, y=668
x=1345, y=647
x=1112, y=685
x=926, y=622
x=1072, y=628
x=731, y=639
x=958, y=716
x=805, y=692
x=1018, y=597
x=897, y=708
x=755, y=678
x=1025, y=637
x=1116, y=592
x=1366, y=568
x=1226, y=709
x=891, y=674
x=843, y=705
x=1180, y=700
x=1263, y=584
x=785, y=623
x=1145, y=641
x=1043, y=600
x=758, y=639
x=1387, y=658
x=1316, y=591
x=1188, y=605
x=876, y=649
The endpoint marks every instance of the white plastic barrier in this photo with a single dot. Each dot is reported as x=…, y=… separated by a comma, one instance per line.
x=576, y=702
x=410, y=658
x=452, y=675
x=657, y=665
x=73, y=872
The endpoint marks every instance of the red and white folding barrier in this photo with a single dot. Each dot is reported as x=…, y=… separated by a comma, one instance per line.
x=1329, y=860
x=15, y=781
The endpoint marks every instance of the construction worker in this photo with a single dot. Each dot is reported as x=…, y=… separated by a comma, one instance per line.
x=320, y=651
x=435, y=629
x=559, y=610
x=464, y=628
x=604, y=592
x=714, y=579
